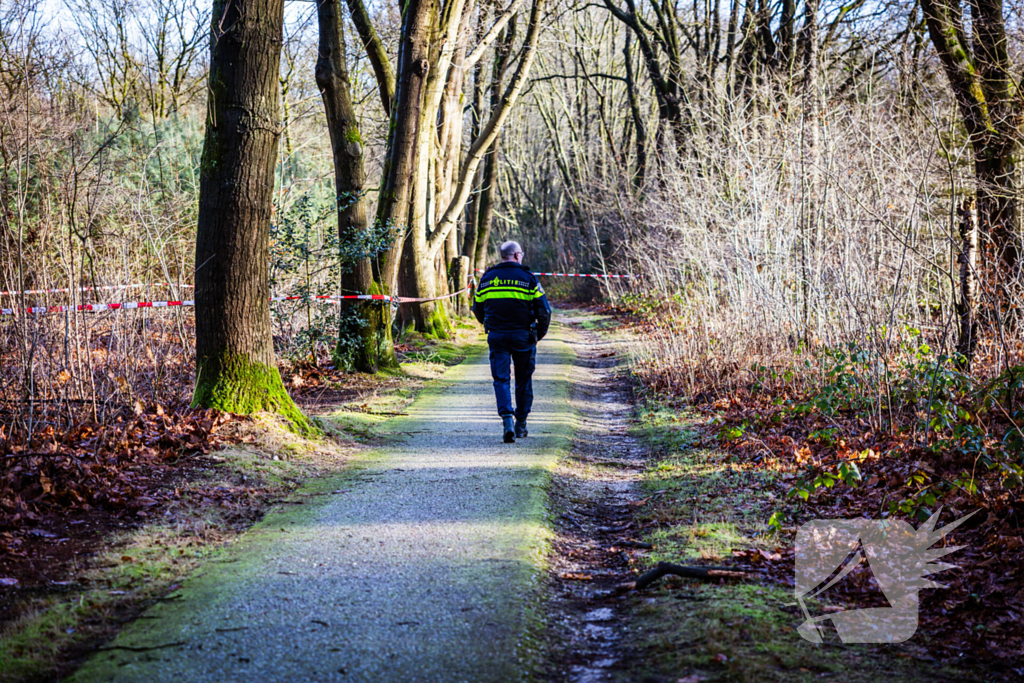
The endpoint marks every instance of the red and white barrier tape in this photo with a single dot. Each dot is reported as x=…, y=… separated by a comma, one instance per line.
x=481, y=270
x=94, y=289
x=335, y=297
x=96, y=307
x=166, y=304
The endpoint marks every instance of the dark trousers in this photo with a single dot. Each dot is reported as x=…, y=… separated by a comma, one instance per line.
x=519, y=350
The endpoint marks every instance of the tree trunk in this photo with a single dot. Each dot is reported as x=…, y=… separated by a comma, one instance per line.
x=394, y=205
x=487, y=185
x=364, y=334
x=995, y=171
x=967, y=306
x=988, y=102
x=638, y=119
x=458, y=272
x=813, y=230
x=469, y=239
x=235, y=366
x=489, y=178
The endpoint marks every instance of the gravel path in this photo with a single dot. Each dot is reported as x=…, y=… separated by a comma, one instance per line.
x=423, y=566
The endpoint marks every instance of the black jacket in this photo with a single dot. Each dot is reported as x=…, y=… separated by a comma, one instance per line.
x=509, y=298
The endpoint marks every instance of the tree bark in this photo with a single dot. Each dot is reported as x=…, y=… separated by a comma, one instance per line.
x=235, y=366
x=967, y=306
x=364, y=334
x=486, y=207
x=490, y=130
x=490, y=175
x=813, y=231
x=640, y=176
x=986, y=96
x=393, y=208
x=375, y=51
x=473, y=213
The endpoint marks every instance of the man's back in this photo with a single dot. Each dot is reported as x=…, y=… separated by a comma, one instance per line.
x=511, y=304
x=509, y=298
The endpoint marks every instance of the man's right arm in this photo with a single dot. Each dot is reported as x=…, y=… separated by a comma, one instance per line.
x=478, y=308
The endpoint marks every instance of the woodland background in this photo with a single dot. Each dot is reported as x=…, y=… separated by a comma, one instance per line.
x=817, y=199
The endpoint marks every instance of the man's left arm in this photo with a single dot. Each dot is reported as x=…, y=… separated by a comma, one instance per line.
x=542, y=312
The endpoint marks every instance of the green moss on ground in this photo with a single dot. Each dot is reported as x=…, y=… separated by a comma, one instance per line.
x=66, y=623
x=236, y=384
x=140, y=567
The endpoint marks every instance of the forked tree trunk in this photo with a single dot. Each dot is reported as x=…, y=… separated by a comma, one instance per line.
x=429, y=41
x=364, y=335
x=235, y=366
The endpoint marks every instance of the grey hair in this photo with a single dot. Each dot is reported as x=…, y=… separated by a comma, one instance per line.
x=508, y=250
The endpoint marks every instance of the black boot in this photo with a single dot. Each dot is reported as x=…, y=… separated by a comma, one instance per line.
x=521, y=432
x=509, y=428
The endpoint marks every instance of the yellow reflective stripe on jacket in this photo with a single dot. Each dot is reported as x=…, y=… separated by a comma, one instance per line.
x=487, y=293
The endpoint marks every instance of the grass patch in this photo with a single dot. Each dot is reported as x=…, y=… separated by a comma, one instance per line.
x=599, y=323
x=710, y=504
x=748, y=633
x=137, y=569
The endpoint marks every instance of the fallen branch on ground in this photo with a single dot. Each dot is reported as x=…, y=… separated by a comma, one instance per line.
x=648, y=499
x=605, y=461
x=664, y=568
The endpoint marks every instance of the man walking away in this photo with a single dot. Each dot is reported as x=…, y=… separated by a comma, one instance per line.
x=511, y=304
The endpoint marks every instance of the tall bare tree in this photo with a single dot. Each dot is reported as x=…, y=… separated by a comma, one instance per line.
x=489, y=179
x=366, y=332
x=432, y=36
x=987, y=97
x=235, y=366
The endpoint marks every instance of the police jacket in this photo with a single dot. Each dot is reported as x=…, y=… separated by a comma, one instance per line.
x=509, y=298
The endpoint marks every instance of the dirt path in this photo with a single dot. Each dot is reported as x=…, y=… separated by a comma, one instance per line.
x=596, y=494
x=421, y=564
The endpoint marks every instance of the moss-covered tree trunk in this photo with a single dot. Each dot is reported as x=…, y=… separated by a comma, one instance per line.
x=235, y=366
x=364, y=336
x=396, y=197
x=988, y=99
